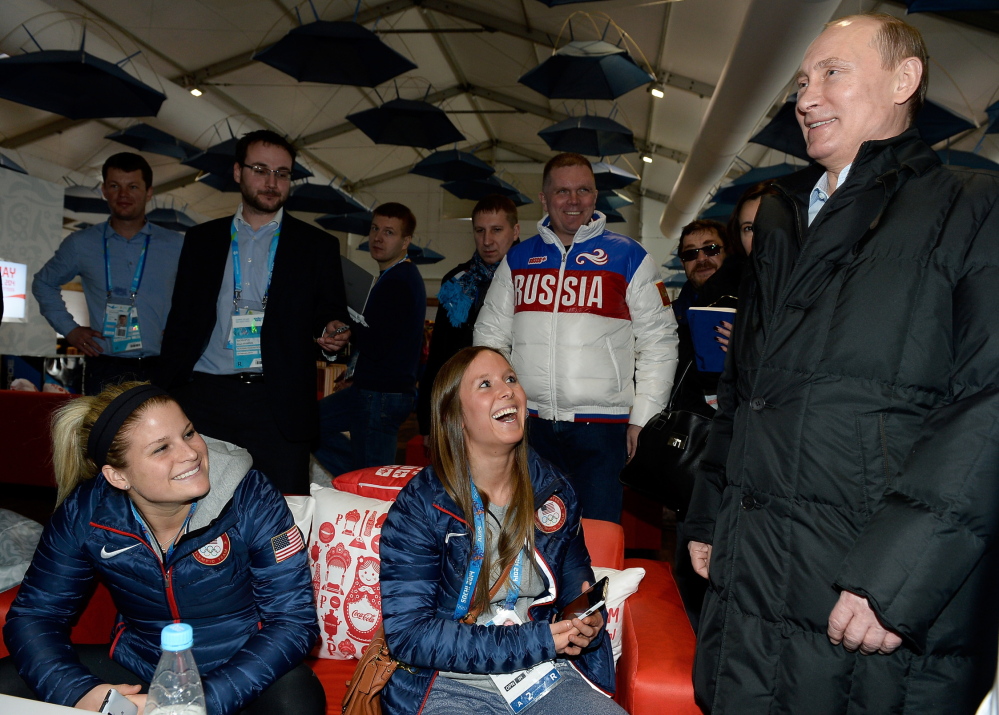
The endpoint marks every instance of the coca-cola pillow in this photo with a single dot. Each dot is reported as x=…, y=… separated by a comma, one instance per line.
x=343, y=554
x=376, y=482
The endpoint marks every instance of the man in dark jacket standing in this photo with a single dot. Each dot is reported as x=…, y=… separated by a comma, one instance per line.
x=238, y=380
x=848, y=509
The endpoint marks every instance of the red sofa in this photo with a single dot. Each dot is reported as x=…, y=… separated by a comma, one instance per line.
x=653, y=674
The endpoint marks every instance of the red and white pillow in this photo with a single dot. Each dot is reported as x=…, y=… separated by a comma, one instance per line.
x=345, y=561
x=620, y=585
x=377, y=482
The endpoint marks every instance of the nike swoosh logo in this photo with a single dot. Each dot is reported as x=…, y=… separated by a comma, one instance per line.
x=105, y=554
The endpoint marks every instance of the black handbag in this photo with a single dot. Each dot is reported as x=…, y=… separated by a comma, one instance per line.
x=668, y=455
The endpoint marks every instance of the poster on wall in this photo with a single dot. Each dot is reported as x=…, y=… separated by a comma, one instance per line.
x=14, y=281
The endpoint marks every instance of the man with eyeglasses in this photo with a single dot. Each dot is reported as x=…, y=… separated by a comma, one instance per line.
x=582, y=313
x=256, y=293
x=127, y=268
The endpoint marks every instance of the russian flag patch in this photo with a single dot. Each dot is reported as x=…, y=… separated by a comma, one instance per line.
x=287, y=544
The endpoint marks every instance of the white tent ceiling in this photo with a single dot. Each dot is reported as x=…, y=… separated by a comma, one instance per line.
x=469, y=55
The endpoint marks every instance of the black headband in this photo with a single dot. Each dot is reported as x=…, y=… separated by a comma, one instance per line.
x=106, y=427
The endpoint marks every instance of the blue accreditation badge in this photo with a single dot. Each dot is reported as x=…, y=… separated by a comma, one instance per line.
x=121, y=327
x=244, y=336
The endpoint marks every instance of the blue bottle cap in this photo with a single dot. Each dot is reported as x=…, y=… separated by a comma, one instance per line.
x=177, y=636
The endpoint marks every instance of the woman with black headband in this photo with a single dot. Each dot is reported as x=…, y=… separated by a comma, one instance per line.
x=179, y=528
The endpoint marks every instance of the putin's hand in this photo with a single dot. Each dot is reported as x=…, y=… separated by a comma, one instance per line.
x=853, y=623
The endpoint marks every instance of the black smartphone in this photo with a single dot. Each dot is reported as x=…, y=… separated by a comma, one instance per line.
x=585, y=603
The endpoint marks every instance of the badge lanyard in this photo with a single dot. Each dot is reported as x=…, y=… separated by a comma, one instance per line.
x=478, y=555
x=237, y=271
x=139, y=269
x=152, y=539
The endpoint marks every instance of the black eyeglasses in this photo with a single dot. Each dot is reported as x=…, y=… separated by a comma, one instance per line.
x=279, y=174
x=712, y=249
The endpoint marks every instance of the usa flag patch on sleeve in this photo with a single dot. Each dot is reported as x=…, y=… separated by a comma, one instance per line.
x=287, y=544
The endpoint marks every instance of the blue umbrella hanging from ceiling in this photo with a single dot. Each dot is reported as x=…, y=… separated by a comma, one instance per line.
x=966, y=158
x=732, y=193
x=154, y=141
x=587, y=69
x=993, y=111
x=407, y=122
x=219, y=159
x=554, y=3
x=322, y=199
x=76, y=85
x=423, y=255
x=11, y=165
x=476, y=189
x=934, y=122
x=173, y=219
x=612, y=200
x=674, y=264
x=85, y=199
x=218, y=182
x=951, y=5
x=453, y=165
x=609, y=176
x=613, y=216
x=590, y=135
x=720, y=212
x=677, y=280
x=335, y=53
x=357, y=223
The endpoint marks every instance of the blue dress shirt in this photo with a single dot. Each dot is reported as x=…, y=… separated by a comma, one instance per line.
x=254, y=247
x=820, y=193
x=82, y=254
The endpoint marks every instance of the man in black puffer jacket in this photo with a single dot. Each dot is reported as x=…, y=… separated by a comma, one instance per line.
x=849, y=506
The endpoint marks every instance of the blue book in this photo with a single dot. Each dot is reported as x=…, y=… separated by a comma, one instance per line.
x=708, y=353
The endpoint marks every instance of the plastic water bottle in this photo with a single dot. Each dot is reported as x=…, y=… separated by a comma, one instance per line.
x=176, y=686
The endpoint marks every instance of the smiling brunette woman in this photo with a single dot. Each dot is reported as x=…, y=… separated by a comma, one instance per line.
x=179, y=528
x=479, y=552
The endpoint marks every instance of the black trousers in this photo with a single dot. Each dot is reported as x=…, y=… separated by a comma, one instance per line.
x=298, y=692
x=104, y=370
x=225, y=408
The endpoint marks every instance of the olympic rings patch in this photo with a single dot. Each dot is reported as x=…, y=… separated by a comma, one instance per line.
x=551, y=516
x=214, y=552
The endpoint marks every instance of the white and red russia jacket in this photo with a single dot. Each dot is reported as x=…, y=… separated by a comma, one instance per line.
x=587, y=329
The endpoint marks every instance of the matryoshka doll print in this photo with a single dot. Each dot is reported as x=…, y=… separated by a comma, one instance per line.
x=362, y=608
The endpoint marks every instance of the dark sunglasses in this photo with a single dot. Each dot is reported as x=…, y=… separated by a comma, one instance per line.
x=712, y=249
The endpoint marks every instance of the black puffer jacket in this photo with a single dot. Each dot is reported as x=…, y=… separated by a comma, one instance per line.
x=857, y=447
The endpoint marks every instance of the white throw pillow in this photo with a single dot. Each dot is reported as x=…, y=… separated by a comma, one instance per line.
x=620, y=585
x=343, y=553
x=302, y=509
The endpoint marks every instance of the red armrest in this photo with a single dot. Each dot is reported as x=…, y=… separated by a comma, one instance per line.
x=94, y=625
x=657, y=657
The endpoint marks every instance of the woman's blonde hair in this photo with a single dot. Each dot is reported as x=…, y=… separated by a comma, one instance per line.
x=71, y=427
x=449, y=457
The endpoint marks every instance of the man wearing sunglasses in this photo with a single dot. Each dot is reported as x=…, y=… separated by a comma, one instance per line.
x=238, y=380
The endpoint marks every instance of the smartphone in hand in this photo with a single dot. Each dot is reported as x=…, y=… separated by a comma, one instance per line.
x=117, y=704
x=586, y=603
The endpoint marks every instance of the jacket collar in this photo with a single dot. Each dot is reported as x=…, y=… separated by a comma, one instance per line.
x=594, y=228
x=545, y=481
x=875, y=158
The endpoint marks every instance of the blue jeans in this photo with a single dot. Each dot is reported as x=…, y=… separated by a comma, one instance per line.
x=572, y=696
x=592, y=455
x=373, y=420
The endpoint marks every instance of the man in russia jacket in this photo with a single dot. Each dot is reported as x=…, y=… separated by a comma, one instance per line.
x=582, y=313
